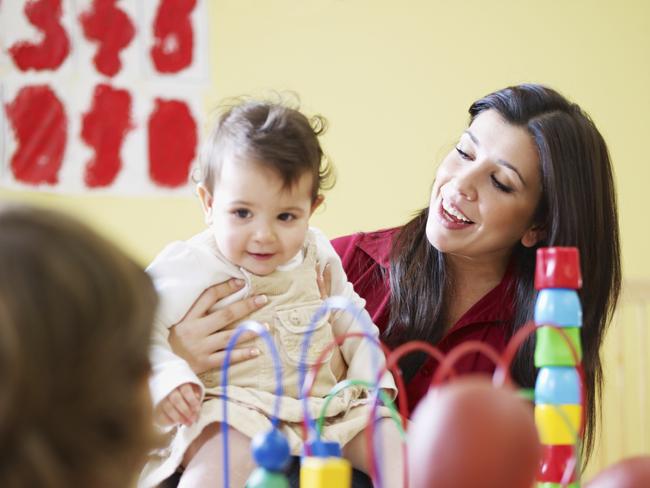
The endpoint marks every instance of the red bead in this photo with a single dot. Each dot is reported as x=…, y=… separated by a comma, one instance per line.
x=558, y=267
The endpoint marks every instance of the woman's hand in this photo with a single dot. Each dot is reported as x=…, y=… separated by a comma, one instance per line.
x=324, y=281
x=199, y=339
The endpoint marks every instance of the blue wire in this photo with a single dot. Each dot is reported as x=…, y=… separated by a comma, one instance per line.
x=331, y=303
x=260, y=330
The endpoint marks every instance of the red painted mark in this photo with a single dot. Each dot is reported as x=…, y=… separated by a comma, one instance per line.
x=172, y=143
x=112, y=29
x=52, y=50
x=39, y=123
x=173, y=40
x=104, y=127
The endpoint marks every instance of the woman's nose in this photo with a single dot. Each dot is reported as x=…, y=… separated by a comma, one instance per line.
x=465, y=184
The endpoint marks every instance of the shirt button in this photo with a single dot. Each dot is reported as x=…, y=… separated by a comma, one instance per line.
x=294, y=318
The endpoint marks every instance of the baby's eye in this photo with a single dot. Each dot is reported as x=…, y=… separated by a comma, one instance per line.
x=242, y=213
x=286, y=217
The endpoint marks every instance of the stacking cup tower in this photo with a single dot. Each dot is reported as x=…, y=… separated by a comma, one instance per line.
x=558, y=395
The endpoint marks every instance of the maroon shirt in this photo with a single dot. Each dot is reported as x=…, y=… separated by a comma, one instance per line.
x=365, y=259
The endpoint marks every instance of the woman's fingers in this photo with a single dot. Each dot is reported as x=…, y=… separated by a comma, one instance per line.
x=219, y=340
x=212, y=295
x=238, y=355
x=230, y=314
x=324, y=281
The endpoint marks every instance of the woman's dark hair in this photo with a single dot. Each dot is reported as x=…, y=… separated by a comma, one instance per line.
x=272, y=134
x=577, y=208
x=75, y=324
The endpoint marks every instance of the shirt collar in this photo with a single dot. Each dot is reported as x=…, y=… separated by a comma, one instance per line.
x=497, y=305
x=378, y=245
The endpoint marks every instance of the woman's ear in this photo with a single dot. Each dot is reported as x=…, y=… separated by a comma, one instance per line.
x=533, y=235
x=316, y=203
x=206, y=202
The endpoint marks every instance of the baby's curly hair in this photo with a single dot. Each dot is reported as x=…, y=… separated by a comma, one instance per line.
x=271, y=133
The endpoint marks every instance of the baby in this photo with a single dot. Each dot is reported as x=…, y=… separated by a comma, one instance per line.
x=263, y=170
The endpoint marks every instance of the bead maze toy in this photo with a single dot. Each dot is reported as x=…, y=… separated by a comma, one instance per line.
x=546, y=445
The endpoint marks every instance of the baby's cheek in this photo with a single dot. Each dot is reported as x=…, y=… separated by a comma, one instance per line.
x=296, y=241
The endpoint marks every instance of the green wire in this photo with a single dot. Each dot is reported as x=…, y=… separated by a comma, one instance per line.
x=342, y=385
x=527, y=394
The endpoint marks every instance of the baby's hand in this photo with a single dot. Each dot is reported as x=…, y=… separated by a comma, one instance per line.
x=181, y=406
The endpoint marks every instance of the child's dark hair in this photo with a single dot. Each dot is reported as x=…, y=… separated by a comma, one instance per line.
x=272, y=134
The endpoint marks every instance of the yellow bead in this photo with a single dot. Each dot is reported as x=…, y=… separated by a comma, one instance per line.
x=558, y=424
x=316, y=472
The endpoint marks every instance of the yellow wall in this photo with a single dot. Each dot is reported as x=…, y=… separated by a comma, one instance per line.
x=395, y=79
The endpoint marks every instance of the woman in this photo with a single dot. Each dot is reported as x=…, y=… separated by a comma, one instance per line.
x=75, y=325
x=531, y=170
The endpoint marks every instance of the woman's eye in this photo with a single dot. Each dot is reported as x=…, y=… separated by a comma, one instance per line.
x=463, y=154
x=500, y=186
x=242, y=213
x=286, y=217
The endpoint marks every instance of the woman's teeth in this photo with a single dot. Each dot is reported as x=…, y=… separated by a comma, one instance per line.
x=454, y=212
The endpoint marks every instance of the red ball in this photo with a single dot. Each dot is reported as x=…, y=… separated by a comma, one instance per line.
x=629, y=473
x=468, y=434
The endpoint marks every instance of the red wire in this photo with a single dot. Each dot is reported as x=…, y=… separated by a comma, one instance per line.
x=446, y=366
x=501, y=374
x=392, y=366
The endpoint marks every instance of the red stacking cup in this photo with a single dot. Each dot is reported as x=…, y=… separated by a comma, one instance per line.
x=558, y=267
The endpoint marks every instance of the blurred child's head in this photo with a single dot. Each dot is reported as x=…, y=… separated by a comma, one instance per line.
x=263, y=170
x=75, y=323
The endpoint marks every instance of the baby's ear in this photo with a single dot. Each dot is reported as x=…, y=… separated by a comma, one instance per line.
x=206, y=202
x=316, y=203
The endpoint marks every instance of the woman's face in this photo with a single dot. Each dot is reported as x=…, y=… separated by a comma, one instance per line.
x=486, y=192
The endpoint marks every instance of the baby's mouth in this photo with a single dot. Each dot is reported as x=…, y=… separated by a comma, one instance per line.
x=262, y=256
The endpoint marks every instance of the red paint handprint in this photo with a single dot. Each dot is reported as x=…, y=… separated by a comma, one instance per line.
x=52, y=50
x=39, y=123
x=173, y=38
x=104, y=127
x=172, y=143
x=112, y=29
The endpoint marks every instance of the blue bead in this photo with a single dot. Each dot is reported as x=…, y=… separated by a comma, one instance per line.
x=558, y=306
x=270, y=450
x=557, y=385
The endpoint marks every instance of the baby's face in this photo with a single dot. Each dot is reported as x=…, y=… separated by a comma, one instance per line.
x=258, y=224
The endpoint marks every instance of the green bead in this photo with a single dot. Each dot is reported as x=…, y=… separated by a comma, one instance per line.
x=552, y=349
x=547, y=484
x=263, y=478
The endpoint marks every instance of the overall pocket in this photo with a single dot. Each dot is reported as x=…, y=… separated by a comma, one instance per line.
x=291, y=325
